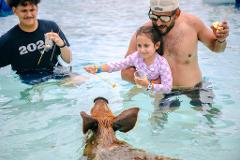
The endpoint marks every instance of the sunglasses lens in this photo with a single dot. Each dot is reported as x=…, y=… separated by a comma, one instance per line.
x=153, y=17
x=165, y=18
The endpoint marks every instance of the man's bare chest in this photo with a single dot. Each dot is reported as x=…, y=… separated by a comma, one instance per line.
x=180, y=46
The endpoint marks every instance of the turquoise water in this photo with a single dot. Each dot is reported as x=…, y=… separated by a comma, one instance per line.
x=43, y=122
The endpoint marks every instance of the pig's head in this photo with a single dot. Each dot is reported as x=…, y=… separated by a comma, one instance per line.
x=103, y=123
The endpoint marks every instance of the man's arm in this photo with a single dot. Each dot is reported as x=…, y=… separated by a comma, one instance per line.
x=4, y=52
x=132, y=45
x=127, y=74
x=66, y=53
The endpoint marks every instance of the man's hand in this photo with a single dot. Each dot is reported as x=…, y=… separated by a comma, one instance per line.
x=221, y=30
x=55, y=38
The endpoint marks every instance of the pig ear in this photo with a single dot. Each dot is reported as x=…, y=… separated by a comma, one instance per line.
x=88, y=122
x=126, y=120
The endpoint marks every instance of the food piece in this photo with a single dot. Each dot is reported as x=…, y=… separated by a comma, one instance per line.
x=114, y=85
x=217, y=25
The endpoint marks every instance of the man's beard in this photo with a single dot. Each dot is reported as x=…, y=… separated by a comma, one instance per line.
x=160, y=50
x=167, y=30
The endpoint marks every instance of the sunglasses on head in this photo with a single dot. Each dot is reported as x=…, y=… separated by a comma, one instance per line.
x=162, y=18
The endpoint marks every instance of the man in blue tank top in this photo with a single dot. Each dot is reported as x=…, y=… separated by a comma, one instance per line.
x=32, y=47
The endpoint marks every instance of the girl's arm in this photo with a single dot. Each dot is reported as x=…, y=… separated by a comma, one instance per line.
x=130, y=60
x=113, y=66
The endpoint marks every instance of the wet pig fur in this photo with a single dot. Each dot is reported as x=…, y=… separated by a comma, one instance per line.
x=101, y=142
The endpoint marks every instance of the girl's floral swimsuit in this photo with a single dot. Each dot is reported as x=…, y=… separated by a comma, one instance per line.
x=159, y=68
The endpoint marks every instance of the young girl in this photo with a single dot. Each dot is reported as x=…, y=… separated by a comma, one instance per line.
x=145, y=59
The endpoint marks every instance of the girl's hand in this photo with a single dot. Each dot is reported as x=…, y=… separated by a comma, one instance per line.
x=91, y=69
x=141, y=81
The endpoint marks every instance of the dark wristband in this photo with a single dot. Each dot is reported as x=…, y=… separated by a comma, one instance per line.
x=99, y=69
x=150, y=86
x=64, y=44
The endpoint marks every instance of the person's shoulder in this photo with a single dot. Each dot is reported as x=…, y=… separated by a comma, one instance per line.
x=161, y=58
x=10, y=33
x=134, y=54
x=148, y=23
x=189, y=18
x=46, y=22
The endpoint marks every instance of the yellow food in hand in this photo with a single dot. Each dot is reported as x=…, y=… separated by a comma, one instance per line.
x=217, y=25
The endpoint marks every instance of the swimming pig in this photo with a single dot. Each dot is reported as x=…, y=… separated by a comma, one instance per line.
x=101, y=142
